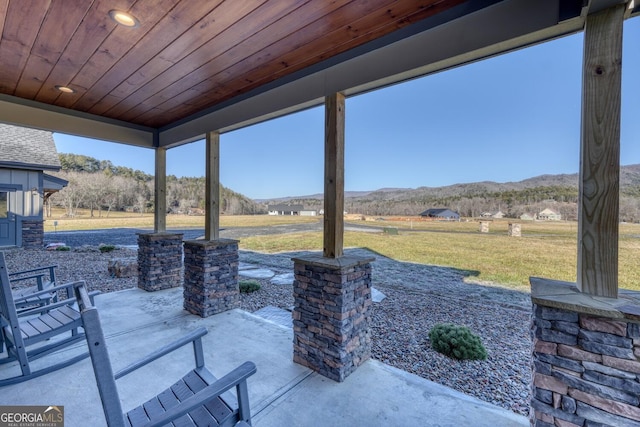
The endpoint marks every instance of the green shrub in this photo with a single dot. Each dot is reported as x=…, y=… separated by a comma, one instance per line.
x=248, y=286
x=106, y=248
x=63, y=248
x=457, y=342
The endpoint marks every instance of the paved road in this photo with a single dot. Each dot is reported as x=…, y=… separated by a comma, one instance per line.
x=129, y=236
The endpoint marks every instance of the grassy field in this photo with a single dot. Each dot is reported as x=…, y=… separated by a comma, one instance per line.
x=546, y=249
x=83, y=221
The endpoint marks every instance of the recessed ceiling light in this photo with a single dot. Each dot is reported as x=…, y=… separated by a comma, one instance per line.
x=65, y=89
x=124, y=18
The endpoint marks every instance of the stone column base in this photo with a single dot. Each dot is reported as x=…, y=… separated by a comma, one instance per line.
x=211, y=276
x=331, y=315
x=32, y=234
x=586, y=357
x=159, y=261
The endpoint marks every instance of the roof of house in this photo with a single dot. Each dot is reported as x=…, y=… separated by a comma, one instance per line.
x=294, y=208
x=438, y=212
x=24, y=148
x=548, y=211
x=53, y=183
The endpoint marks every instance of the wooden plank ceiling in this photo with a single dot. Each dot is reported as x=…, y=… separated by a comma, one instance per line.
x=185, y=55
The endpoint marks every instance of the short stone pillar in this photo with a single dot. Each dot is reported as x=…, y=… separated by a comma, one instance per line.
x=211, y=276
x=586, y=357
x=514, y=230
x=159, y=261
x=32, y=234
x=331, y=314
x=484, y=226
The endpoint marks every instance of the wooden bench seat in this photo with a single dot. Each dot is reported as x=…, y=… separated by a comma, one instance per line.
x=216, y=412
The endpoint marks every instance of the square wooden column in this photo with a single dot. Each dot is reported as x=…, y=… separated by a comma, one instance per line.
x=598, y=208
x=332, y=293
x=160, y=191
x=212, y=187
x=211, y=265
x=334, y=176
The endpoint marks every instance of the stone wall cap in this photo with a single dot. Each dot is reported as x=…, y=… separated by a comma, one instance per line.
x=218, y=242
x=160, y=235
x=335, y=263
x=567, y=296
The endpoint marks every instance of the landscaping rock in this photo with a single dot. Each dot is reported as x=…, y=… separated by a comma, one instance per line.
x=122, y=267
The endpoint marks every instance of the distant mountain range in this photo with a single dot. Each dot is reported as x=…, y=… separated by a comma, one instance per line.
x=514, y=198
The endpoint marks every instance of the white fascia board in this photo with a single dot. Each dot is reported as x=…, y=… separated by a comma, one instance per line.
x=32, y=114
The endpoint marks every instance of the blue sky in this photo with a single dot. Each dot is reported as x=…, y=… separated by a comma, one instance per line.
x=504, y=119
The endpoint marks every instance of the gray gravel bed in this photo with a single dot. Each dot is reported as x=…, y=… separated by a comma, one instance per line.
x=417, y=297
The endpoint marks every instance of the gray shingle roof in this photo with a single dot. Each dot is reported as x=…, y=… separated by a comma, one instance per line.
x=286, y=208
x=24, y=148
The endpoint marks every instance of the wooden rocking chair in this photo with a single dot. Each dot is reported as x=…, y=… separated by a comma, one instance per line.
x=23, y=335
x=195, y=400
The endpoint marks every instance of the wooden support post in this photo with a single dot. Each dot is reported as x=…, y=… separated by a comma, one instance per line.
x=334, y=176
x=160, y=192
x=598, y=209
x=212, y=187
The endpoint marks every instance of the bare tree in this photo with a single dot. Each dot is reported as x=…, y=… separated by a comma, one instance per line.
x=70, y=197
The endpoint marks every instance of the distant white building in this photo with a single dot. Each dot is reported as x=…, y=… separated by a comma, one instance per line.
x=497, y=215
x=285, y=209
x=549, y=215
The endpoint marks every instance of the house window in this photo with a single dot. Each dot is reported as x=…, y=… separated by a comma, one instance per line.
x=4, y=205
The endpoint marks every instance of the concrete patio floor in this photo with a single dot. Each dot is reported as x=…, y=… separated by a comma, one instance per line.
x=281, y=393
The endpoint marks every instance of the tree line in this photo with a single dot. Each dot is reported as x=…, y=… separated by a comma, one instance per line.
x=102, y=187
x=513, y=202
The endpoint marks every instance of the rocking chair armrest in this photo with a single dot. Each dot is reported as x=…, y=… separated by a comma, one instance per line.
x=193, y=337
x=59, y=303
x=45, y=308
x=17, y=273
x=227, y=382
x=31, y=276
x=64, y=286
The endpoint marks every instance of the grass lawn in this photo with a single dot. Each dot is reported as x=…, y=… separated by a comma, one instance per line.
x=83, y=220
x=546, y=249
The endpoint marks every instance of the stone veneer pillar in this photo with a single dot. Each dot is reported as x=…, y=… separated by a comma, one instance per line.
x=159, y=261
x=586, y=357
x=32, y=234
x=331, y=315
x=211, y=276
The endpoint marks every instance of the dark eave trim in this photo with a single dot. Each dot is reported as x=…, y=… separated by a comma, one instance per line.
x=27, y=166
